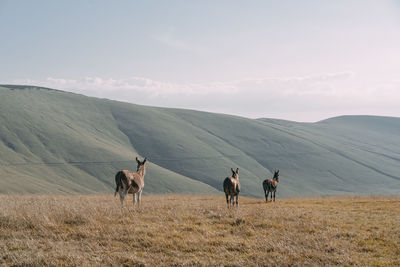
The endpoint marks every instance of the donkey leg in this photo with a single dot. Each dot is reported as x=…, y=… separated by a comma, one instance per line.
x=121, y=198
x=227, y=199
x=134, y=199
x=266, y=196
x=274, y=195
x=232, y=200
x=139, y=197
x=237, y=200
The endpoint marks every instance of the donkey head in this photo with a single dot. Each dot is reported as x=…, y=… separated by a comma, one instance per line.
x=140, y=163
x=276, y=175
x=235, y=174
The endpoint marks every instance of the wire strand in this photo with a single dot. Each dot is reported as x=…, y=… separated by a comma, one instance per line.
x=112, y=162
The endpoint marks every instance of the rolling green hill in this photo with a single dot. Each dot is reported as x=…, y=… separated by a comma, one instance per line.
x=57, y=142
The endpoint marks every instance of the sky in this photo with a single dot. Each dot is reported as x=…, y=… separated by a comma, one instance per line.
x=296, y=60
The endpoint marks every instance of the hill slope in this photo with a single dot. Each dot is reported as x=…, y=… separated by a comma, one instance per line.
x=88, y=139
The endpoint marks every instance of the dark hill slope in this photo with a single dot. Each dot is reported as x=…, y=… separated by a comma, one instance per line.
x=189, y=151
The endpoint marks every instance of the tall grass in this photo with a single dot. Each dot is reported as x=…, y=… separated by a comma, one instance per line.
x=198, y=230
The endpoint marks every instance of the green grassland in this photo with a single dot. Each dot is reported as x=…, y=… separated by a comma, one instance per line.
x=88, y=140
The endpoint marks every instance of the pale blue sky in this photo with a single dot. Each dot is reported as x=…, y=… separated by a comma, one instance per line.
x=299, y=60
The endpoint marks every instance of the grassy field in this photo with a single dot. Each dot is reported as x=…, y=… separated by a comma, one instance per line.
x=179, y=230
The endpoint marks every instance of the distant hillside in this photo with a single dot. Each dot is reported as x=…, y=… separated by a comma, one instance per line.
x=58, y=142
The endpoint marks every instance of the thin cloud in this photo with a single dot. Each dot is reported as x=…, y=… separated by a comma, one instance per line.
x=293, y=97
x=332, y=84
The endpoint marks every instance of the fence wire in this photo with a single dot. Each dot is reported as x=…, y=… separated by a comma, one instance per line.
x=114, y=161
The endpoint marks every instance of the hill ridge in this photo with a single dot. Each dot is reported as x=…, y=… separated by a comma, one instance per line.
x=189, y=151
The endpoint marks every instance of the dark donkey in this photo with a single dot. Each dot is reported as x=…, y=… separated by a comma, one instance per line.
x=271, y=185
x=232, y=187
x=131, y=182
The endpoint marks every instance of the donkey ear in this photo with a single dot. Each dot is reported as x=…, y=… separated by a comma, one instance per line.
x=137, y=160
x=144, y=161
x=237, y=170
x=232, y=170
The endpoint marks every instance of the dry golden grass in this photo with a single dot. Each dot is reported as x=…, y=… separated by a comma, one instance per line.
x=199, y=230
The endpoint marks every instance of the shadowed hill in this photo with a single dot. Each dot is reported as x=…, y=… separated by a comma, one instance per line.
x=89, y=139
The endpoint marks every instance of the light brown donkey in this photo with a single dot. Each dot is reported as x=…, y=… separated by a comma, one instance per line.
x=232, y=187
x=131, y=182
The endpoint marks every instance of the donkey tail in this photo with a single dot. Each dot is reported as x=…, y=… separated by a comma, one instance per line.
x=118, y=182
x=116, y=190
x=237, y=188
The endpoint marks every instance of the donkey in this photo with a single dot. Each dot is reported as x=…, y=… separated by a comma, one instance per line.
x=131, y=182
x=232, y=187
x=271, y=185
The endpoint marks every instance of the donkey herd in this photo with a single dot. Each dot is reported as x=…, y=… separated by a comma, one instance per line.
x=128, y=182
